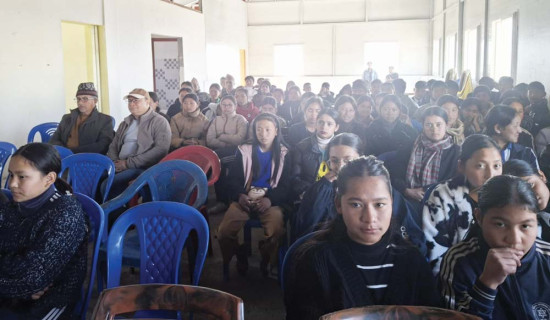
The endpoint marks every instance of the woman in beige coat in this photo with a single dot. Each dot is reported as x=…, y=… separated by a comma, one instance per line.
x=188, y=126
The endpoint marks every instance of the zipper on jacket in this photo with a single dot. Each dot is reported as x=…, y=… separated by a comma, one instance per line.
x=516, y=292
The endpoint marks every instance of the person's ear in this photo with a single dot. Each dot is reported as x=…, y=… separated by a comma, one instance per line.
x=338, y=204
x=336, y=128
x=50, y=178
x=497, y=129
x=477, y=216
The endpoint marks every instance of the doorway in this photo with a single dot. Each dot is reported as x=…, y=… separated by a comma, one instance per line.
x=167, y=69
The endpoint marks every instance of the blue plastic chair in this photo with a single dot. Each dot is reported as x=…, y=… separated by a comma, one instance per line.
x=97, y=220
x=162, y=228
x=173, y=180
x=46, y=131
x=86, y=170
x=288, y=259
x=114, y=122
x=6, y=151
x=7, y=193
x=63, y=152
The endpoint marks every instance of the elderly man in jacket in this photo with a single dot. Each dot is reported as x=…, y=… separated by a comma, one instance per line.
x=142, y=139
x=85, y=129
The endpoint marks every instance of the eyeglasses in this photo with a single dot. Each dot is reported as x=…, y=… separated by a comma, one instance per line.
x=83, y=99
x=130, y=101
x=227, y=105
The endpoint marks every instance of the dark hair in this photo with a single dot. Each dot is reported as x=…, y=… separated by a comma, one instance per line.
x=519, y=168
x=387, y=84
x=535, y=85
x=420, y=84
x=438, y=84
x=498, y=115
x=249, y=78
x=509, y=101
x=267, y=83
x=507, y=80
x=474, y=143
x=364, y=166
x=243, y=90
x=269, y=100
x=345, y=99
x=153, y=96
x=346, y=139
x=275, y=149
x=187, y=83
x=325, y=85
x=331, y=113
x=229, y=97
x=481, y=89
x=295, y=88
x=306, y=96
x=446, y=98
x=277, y=90
x=381, y=95
x=376, y=81
x=435, y=111
x=192, y=96
x=359, y=84
x=488, y=82
x=453, y=85
x=399, y=85
x=391, y=98
x=44, y=158
x=504, y=190
x=186, y=89
x=512, y=93
x=313, y=100
x=472, y=102
x=216, y=86
x=344, y=88
x=365, y=99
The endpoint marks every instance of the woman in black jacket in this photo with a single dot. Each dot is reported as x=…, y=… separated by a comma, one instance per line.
x=387, y=133
x=357, y=261
x=308, y=157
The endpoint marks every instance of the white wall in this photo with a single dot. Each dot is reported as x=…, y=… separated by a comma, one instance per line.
x=31, y=60
x=333, y=33
x=225, y=25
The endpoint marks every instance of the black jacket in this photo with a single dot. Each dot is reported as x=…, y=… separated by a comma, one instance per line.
x=379, y=140
x=324, y=278
x=398, y=166
x=296, y=133
x=289, y=111
x=94, y=135
x=517, y=151
x=306, y=158
x=539, y=115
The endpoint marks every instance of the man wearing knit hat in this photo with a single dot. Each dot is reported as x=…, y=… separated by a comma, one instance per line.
x=85, y=129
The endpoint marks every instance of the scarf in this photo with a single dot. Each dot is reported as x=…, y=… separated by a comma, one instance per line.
x=423, y=168
x=457, y=132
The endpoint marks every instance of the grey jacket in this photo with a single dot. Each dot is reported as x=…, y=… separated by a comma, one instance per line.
x=94, y=135
x=153, y=140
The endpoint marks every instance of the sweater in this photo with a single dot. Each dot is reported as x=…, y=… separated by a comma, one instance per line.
x=188, y=129
x=41, y=247
x=153, y=140
x=523, y=295
x=94, y=135
x=226, y=131
x=324, y=277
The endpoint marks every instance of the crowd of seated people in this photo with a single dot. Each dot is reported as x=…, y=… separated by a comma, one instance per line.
x=394, y=187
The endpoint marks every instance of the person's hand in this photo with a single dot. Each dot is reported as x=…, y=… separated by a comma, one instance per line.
x=263, y=204
x=190, y=141
x=500, y=263
x=40, y=293
x=120, y=165
x=331, y=176
x=245, y=201
x=415, y=194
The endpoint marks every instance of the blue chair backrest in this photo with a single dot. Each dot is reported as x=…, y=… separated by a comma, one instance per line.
x=6, y=151
x=86, y=171
x=173, y=180
x=114, y=122
x=288, y=260
x=97, y=220
x=46, y=131
x=163, y=228
x=63, y=152
x=7, y=193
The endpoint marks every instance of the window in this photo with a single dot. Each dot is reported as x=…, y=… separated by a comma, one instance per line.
x=436, y=59
x=471, y=51
x=382, y=55
x=501, y=48
x=450, y=52
x=288, y=60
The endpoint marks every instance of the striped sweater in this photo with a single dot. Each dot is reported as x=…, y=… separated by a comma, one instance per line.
x=523, y=295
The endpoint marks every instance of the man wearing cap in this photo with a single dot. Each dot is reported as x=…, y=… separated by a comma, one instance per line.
x=85, y=129
x=141, y=140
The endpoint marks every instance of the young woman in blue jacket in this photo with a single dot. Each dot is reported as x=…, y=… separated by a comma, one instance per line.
x=501, y=271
